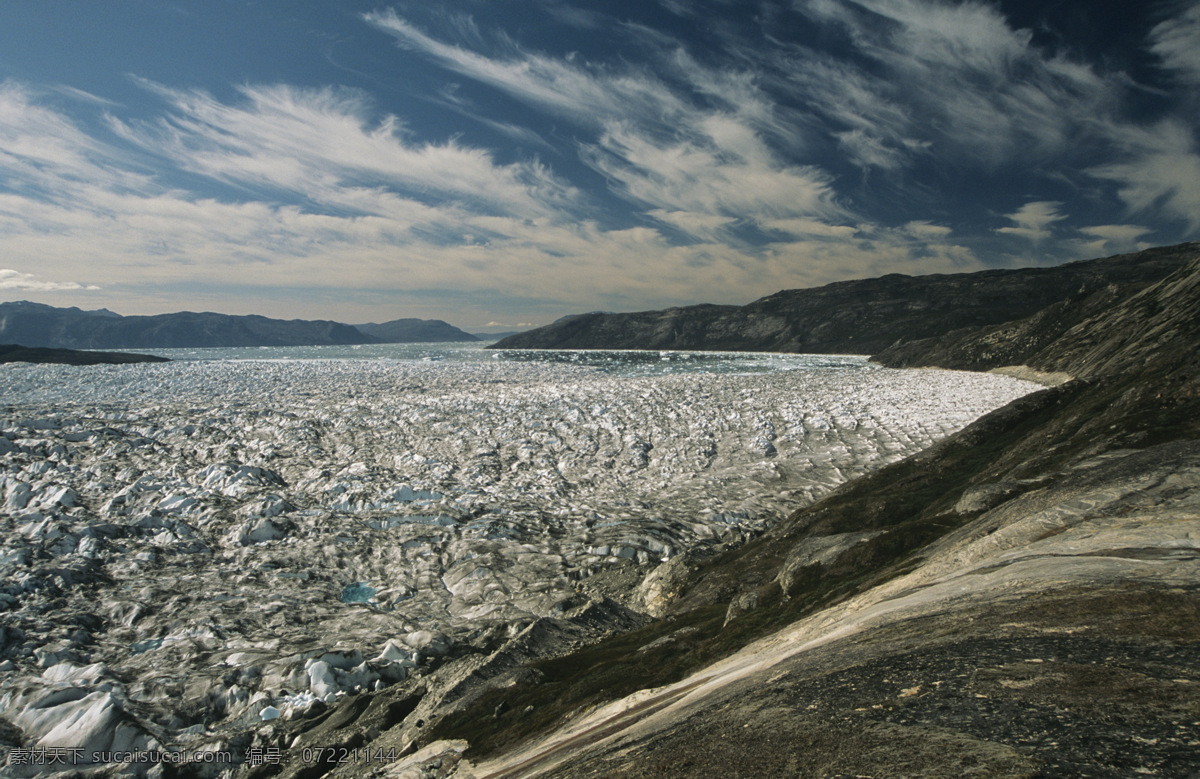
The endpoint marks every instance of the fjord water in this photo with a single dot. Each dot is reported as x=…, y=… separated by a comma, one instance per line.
x=252, y=528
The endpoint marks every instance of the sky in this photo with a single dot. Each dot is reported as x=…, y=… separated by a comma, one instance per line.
x=500, y=164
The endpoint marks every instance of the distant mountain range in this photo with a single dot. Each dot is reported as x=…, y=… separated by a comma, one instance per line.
x=39, y=325
x=414, y=331
x=856, y=317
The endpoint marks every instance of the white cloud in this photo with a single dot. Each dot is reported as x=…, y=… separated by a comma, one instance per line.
x=869, y=149
x=927, y=230
x=951, y=78
x=704, y=226
x=145, y=242
x=879, y=127
x=1121, y=234
x=536, y=79
x=597, y=96
x=322, y=191
x=704, y=146
x=1160, y=172
x=41, y=150
x=1177, y=42
x=16, y=280
x=319, y=143
x=1110, y=239
x=1033, y=220
x=684, y=175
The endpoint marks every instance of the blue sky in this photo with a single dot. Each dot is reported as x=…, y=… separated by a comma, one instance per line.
x=499, y=164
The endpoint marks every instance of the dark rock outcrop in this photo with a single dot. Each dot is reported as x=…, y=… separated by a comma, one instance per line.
x=18, y=353
x=859, y=317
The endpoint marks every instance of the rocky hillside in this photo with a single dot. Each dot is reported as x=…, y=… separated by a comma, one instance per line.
x=1121, y=329
x=860, y=317
x=1022, y=599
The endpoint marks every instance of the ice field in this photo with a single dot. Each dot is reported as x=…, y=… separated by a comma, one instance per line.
x=187, y=544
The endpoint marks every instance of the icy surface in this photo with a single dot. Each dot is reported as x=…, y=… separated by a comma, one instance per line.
x=189, y=545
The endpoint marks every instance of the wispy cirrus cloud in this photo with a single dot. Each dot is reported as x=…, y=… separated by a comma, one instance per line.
x=1157, y=170
x=948, y=79
x=699, y=154
x=703, y=147
x=806, y=141
x=1177, y=42
x=323, y=199
x=43, y=149
x=321, y=143
x=691, y=176
x=542, y=80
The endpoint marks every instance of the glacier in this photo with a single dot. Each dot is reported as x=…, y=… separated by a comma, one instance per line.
x=187, y=545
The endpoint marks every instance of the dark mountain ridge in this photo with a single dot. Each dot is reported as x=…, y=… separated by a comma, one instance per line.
x=414, y=331
x=39, y=325
x=861, y=316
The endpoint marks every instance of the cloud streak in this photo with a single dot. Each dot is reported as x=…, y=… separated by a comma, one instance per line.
x=319, y=143
x=947, y=79
x=361, y=229
x=698, y=155
x=1177, y=42
x=1159, y=171
x=15, y=280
